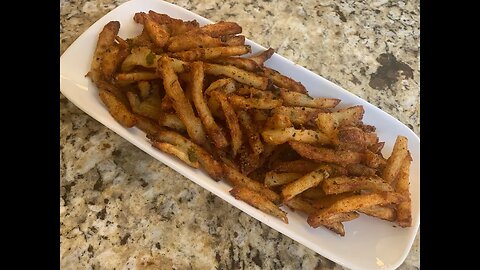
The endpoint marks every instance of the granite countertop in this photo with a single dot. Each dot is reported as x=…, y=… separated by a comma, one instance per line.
x=122, y=209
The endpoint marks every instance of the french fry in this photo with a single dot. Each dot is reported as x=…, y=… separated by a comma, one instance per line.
x=321, y=154
x=394, y=162
x=377, y=148
x=227, y=85
x=354, y=135
x=157, y=33
x=213, y=130
x=111, y=60
x=284, y=81
x=336, y=227
x=353, y=203
x=378, y=211
x=144, y=88
x=279, y=136
x=105, y=40
x=341, y=217
x=261, y=57
x=277, y=179
x=232, y=121
x=150, y=107
x=117, y=109
x=172, y=121
x=211, y=53
x=254, y=93
x=188, y=42
x=277, y=121
x=175, y=26
x=301, y=205
x=258, y=201
x=136, y=76
x=343, y=184
x=404, y=209
x=360, y=170
x=180, y=103
x=307, y=181
x=373, y=160
x=237, y=74
x=144, y=57
x=313, y=194
x=178, y=152
x=238, y=179
x=146, y=125
x=254, y=103
x=298, y=99
x=239, y=62
x=328, y=122
x=326, y=200
x=298, y=115
x=219, y=29
x=253, y=136
x=296, y=166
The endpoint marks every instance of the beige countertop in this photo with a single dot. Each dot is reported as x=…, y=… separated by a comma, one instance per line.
x=122, y=209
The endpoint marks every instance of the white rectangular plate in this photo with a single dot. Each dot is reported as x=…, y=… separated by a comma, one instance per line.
x=369, y=243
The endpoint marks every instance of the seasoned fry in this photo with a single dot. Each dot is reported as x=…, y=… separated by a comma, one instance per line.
x=243, y=63
x=336, y=227
x=284, y=81
x=301, y=205
x=321, y=154
x=298, y=115
x=299, y=99
x=313, y=194
x=378, y=211
x=360, y=170
x=342, y=184
x=172, y=121
x=146, y=125
x=254, y=92
x=373, y=160
x=328, y=122
x=352, y=203
x=277, y=179
x=354, y=135
x=178, y=152
x=105, y=40
x=136, y=76
x=253, y=136
x=111, y=60
x=175, y=26
x=157, y=33
x=227, y=85
x=149, y=107
x=211, y=53
x=117, y=109
x=188, y=42
x=232, y=121
x=220, y=28
x=296, y=166
x=258, y=201
x=254, y=103
x=404, y=209
x=237, y=74
x=213, y=130
x=180, y=103
x=277, y=136
x=327, y=200
x=307, y=181
x=260, y=58
x=394, y=162
x=277, y=121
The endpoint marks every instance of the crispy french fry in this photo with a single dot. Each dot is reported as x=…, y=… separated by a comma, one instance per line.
x=296, y=166
x=307, y=181
x=238, y=179
x=178, y=152
x=284, y=81
x=313, y=194
x=188, y=42
x=213, y=130
x=341, y=217
x=328, y=122
x=117, y=109
x=180, y=103
x=254, y=103
x=343, y=184
x=150, y=107
x=279, y=136
x=261, y=57
x=326, y=200
x=172, y=121
x=360, y=170
x=254, y=93
x=144, y=57
x=253, y=136
x=404, y=209
x=298, y=115
x=321, y=154
x=277, y=121
x=136, y=76
x=175, y=26
x=237, y=74
x=232, y=121
x=157, y=33
x=377, y=148
x=394, y=162
x=378, y=211
x=111, y=60
x=298, y=99
x=277, y=179
x=352, y=203
x=243, y=63
x=301, y=205
x=336, y=227
x=211, y=53
x=373, y=160
x=227, y=85
x=220, y=28
x=105, y=40
x=146, y=125
x=258, y=201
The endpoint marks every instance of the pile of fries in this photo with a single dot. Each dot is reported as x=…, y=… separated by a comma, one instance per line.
x=188, y=89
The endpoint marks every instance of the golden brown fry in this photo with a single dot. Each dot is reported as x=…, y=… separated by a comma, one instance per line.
x=300, y=205
x=157, y=33
x=355, y=136
x=377, y=148
x=243, y=63
x=178, y=152
x=336, y=227
x=175, y=26
x=373, y=160
x=213, y=130
x=394, y=162
x=227, y=85
x=277, y=121
x=117, y=109
x=258, y=201
x=172, y=121
x=180, y=103
x=297, y=166
x=313, y=194
x=360, y=170
x=277, y=179
x=341, y=217
x=136, y=76
x=105, y=39
x=404, y=209
x=298, y=115
x=328, y=122
x=307, y=181
x=299, y=99
x=111, y=60
x=146, y=125
x=238, y=179
x=321, y=154
x=140, y=56
x=253, y=136
x=343, y=184
x=254, y=103
x=232, y=121
x=117, y=92
x=284, y=81
x=327, y=200
x=211, y=53
x=237, y=74
x=279, y=136
x=353, y=203
x=219, y=29
x=188, y=42
x=260, y=58
x=254, y=92
x=378, y=211
x=149, y=107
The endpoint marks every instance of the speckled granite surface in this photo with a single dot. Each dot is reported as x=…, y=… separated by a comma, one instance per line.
x=122, y=209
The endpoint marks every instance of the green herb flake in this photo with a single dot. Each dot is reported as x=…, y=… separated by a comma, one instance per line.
x=150, y=58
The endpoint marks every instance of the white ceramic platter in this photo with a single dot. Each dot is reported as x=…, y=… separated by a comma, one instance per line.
x=369, y=243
